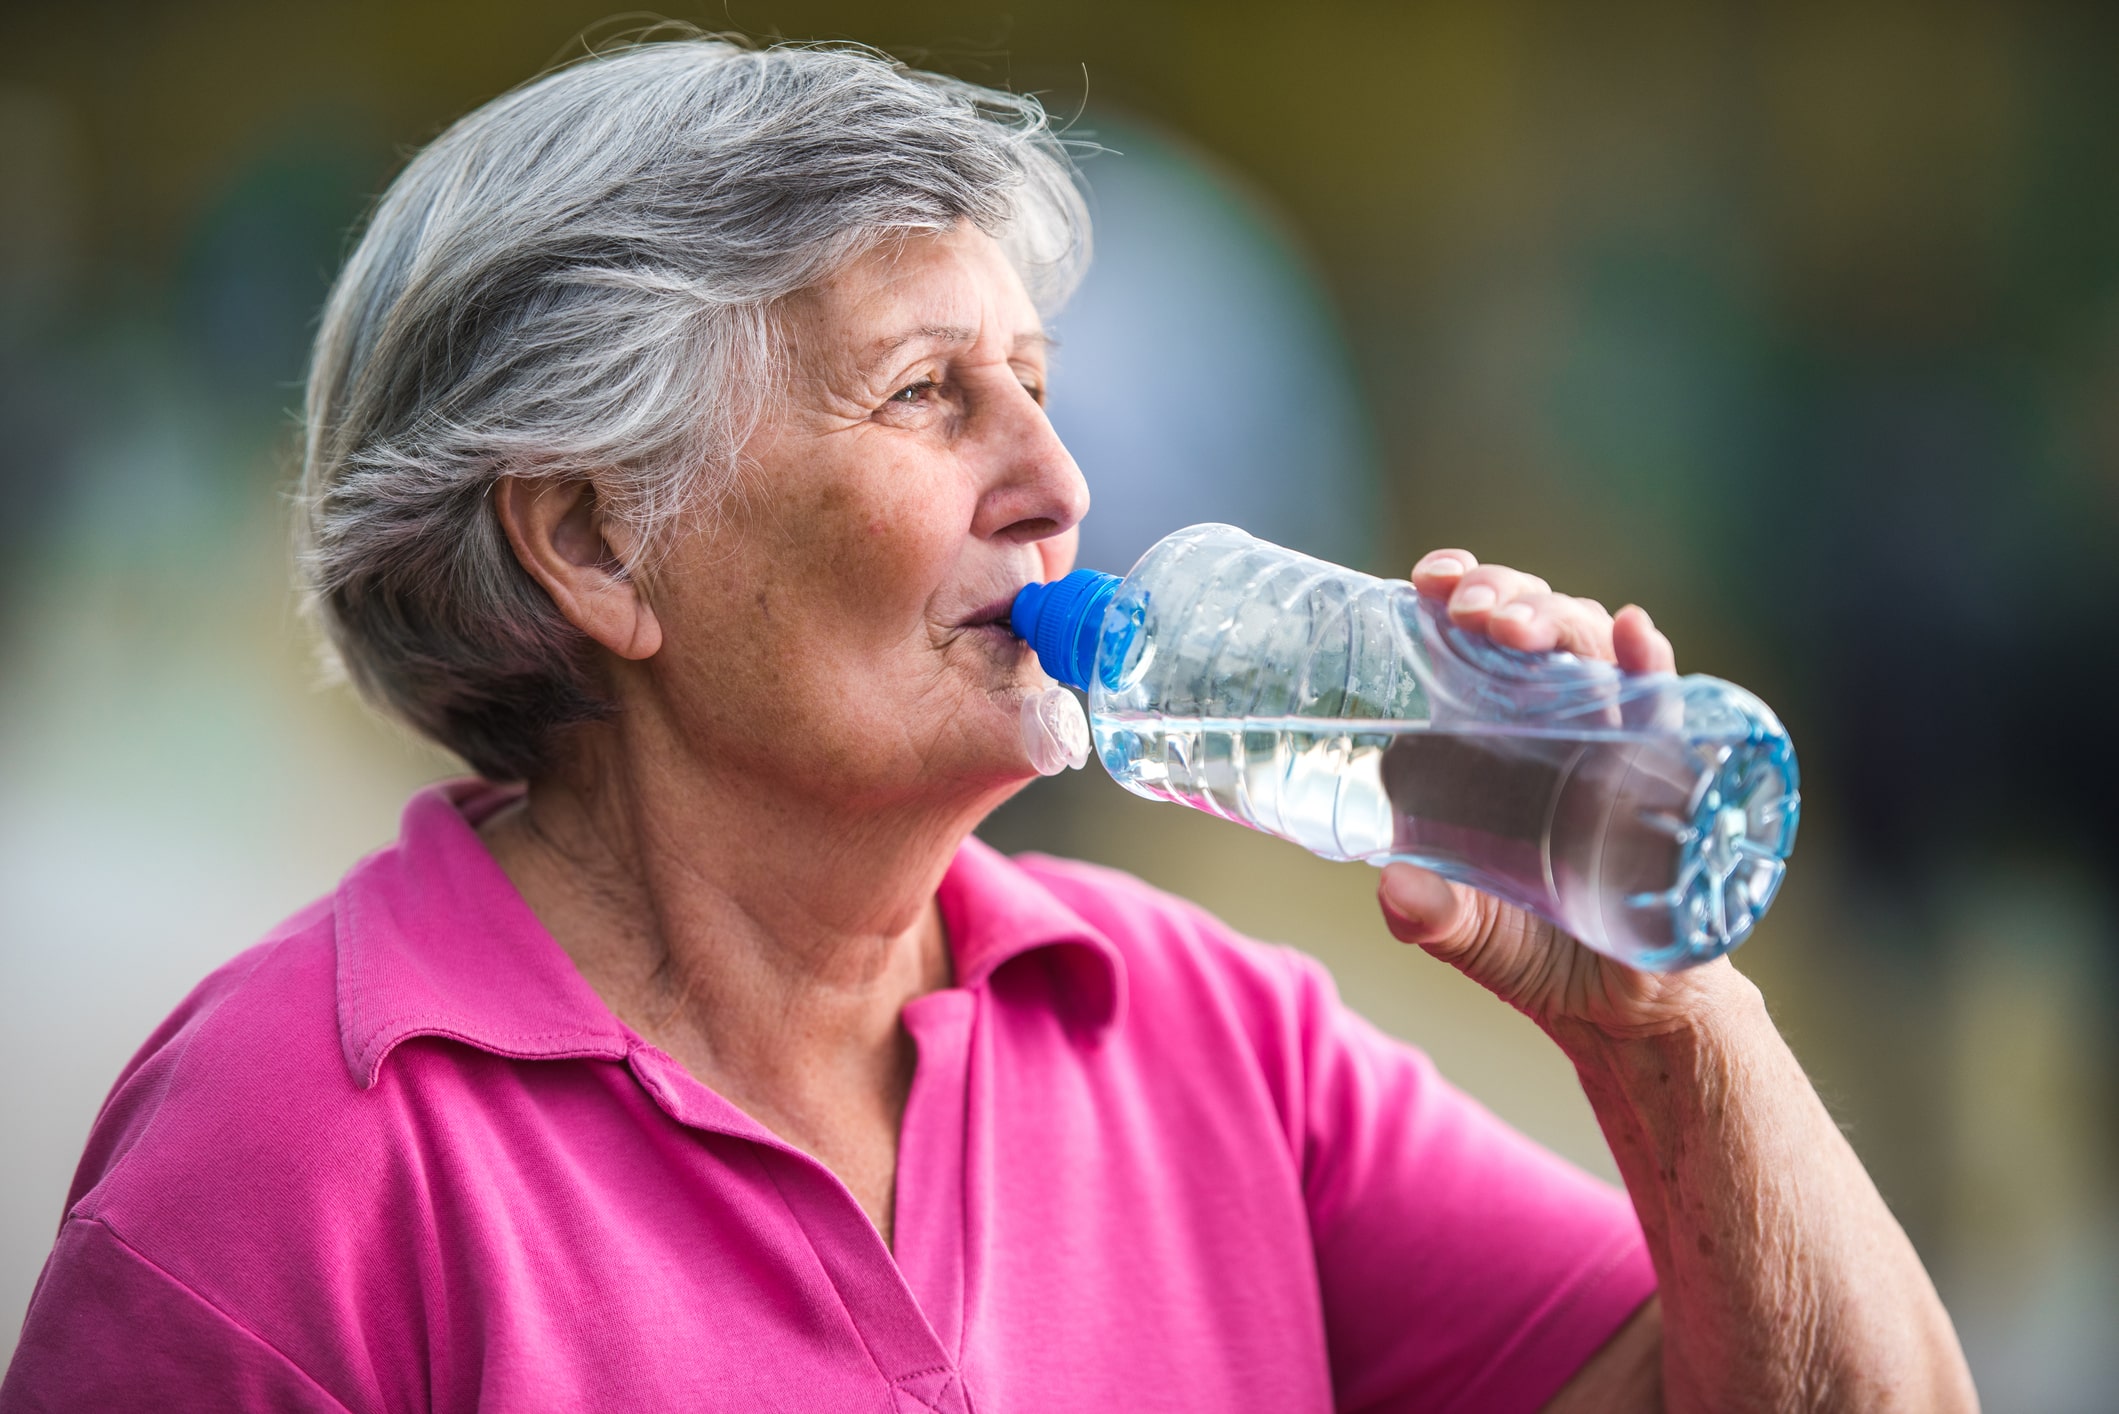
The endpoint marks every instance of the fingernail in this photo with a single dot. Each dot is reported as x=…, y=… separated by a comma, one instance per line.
x=1415, y=895
x=1474, y=598
x=1514, y=613
x=1401, y=892
x=1440, y=564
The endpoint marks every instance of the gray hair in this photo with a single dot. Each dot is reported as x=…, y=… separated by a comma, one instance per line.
x=577, y=281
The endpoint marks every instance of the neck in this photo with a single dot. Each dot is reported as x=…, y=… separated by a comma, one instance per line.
x=681, y=886
x=766, y=941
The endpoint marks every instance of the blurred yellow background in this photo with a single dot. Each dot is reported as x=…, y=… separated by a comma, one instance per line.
x=1798, y=324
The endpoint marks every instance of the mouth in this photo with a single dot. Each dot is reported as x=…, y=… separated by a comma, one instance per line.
x=988, y=626
x=992, y=615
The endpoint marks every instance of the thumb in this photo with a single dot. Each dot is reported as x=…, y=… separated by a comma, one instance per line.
x=1423, y=908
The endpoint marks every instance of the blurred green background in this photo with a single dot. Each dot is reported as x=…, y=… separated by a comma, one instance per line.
x=1798, y=324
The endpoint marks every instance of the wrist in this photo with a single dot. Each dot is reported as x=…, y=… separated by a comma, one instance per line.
x=1676, y=1087
x=1694, y=1014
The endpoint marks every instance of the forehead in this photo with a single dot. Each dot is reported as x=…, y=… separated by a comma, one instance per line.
x=955, y=287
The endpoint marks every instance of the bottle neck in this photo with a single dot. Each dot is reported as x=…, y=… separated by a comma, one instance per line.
x=1061, y=621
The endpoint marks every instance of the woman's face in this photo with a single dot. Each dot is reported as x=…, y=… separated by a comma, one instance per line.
x=840, y=625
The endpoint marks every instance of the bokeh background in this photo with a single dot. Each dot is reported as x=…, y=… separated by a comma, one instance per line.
x=1798, y=323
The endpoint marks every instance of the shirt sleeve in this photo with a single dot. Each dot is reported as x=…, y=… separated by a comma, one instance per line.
x=1463, y=1267
x=109, y=1330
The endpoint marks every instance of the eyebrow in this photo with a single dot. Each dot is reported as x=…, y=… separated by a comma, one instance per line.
x=947, y=334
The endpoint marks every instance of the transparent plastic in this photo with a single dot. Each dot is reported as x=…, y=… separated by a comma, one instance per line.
x=1055, y=733
x=1647, y=815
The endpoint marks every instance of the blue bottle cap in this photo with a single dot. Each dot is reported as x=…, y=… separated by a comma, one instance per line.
x=1061, y=620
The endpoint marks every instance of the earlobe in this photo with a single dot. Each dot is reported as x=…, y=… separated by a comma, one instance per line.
x=561, y=537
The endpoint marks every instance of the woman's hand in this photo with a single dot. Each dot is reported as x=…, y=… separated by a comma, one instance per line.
x=1783, y=1280
x=1521, y=958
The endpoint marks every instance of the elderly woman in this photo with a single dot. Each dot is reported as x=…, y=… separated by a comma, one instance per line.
x=676, y=445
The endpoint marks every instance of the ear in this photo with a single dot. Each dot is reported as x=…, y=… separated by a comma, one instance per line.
x=561, y=536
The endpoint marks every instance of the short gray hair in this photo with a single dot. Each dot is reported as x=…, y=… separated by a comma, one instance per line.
x=577, y=281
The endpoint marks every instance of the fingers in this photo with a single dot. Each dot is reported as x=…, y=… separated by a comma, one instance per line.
x=1480, y=591
x=1470, y=586
x=1638, y=645
x=1519, y=610
x=1539, y=623
x=1439, y=570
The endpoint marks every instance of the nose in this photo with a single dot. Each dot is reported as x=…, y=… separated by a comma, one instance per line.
x=1035, y=490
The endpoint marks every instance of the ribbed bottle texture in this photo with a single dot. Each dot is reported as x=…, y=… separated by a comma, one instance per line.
x=1648, y=815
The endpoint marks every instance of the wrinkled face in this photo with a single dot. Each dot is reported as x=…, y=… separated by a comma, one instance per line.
x=840, y=626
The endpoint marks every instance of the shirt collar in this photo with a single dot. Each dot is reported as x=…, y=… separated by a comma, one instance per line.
x=433, y=940
x=995, y=912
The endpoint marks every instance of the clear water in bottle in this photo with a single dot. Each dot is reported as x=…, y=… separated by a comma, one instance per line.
x=1648, y=815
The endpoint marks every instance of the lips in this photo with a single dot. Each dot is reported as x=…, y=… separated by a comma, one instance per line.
x=993, y=614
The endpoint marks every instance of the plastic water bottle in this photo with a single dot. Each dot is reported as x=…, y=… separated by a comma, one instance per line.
x=1648, y=815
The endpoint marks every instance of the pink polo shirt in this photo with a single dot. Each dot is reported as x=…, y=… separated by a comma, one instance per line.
x=400, y=1156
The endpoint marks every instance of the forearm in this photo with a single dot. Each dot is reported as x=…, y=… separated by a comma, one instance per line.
x=1785, y=1281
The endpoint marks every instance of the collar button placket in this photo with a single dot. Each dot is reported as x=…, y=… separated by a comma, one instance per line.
x=930, y=1392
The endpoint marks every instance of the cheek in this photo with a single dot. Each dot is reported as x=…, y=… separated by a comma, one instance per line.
x=882, y=548
x=834, y=562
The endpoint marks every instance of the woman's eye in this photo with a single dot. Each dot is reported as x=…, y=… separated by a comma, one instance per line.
x=913, y=392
